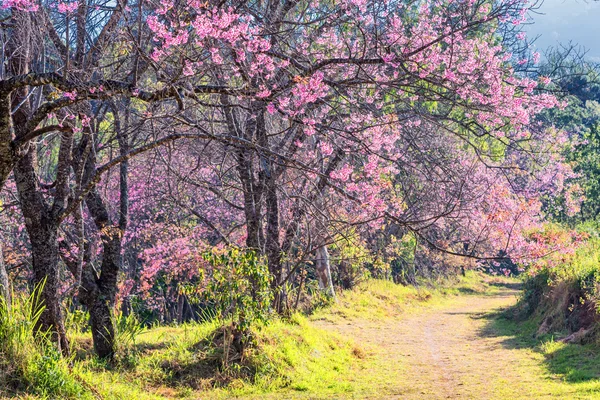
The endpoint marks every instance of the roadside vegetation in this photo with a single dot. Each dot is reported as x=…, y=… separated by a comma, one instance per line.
x=294, y=355
x=575, y=366
x=557, y=316
x=562, y=296
x=228, y=198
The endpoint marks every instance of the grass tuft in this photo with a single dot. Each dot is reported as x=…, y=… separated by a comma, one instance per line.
x=29, y=362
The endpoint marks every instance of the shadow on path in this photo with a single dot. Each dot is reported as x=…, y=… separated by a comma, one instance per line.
x=509, y=285
x=571, y=362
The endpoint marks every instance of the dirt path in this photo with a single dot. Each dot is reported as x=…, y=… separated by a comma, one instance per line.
x=448, y=351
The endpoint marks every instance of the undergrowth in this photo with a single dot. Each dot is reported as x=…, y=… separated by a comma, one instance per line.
x=29, y=362
x=289, y=356
x=557, y=316
x=564, y=298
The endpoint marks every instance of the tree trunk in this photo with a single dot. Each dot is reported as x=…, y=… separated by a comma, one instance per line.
x=41, y=220
x=324, y=270
x=44, y=250
x=101, y=291
x=272, y=245
x=7, y=155
x=103, y=329
x=180, y=305
x=98, y=294
x=4, y=282
x=245, y=168
x=42, y=228
x=252, y=206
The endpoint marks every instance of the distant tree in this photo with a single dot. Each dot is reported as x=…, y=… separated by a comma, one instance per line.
x=577, y=82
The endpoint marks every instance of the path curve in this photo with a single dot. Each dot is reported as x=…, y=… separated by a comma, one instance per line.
x=446, y=351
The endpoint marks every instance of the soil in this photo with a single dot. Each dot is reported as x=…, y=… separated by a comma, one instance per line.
x=447, y=351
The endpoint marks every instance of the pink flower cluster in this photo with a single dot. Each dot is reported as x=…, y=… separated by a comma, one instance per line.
x=66, y=7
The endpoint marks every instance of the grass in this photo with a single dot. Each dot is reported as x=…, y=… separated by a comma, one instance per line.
x=571, y=370
x=29, y=362
x=292, y=357
x=380, y=299
x=182, y=362
x=302, y=357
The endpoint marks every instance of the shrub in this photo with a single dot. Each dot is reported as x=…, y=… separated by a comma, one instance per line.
x=533, y=291
x=352, y=259
x=238, y=288
x=564, y=294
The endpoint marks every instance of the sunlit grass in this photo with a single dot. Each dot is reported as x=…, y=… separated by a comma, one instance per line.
x=292, y=357
x=569, y=370
x=379, y=299
x=298, y=357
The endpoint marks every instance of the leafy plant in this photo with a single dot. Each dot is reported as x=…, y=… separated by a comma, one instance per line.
x=238, y=288
x=127, y=329
x=353, y=257
x=77, y=321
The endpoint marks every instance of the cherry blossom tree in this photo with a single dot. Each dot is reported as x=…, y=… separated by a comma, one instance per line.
x=297, y=121
x=365, y=105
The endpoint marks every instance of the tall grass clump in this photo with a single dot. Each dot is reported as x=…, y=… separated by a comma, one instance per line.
x=29, y=361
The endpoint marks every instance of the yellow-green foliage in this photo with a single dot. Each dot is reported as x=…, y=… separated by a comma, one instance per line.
x=164, y=360
x=550, y=289
x=297, y=355
x=29, y=362
x=352, y=255
x=291, y=357
x=377, y=298
x=562, y=296
x=583, y=265
x=289, y=354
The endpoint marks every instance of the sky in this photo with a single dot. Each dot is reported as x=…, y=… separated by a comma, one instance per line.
x=561, y=21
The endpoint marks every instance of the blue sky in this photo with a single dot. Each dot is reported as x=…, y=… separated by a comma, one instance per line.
x=561, y=21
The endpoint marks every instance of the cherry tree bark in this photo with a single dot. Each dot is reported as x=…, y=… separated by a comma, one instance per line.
x=99, y=290
x=43, y=232
x=41, y=219
x=7, y=156
x=4, y=281
x=323, y=268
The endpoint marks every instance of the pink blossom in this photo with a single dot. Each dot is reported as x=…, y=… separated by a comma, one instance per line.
x=188, y=70
x=67, y=8
x=71, y=95
x=263, y=92
x=326, y=148
x=21, y=5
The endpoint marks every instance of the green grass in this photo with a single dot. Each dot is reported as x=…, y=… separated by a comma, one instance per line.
x=292, y=357
x=28, y=361
x=576, y=367
x=379, y=299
